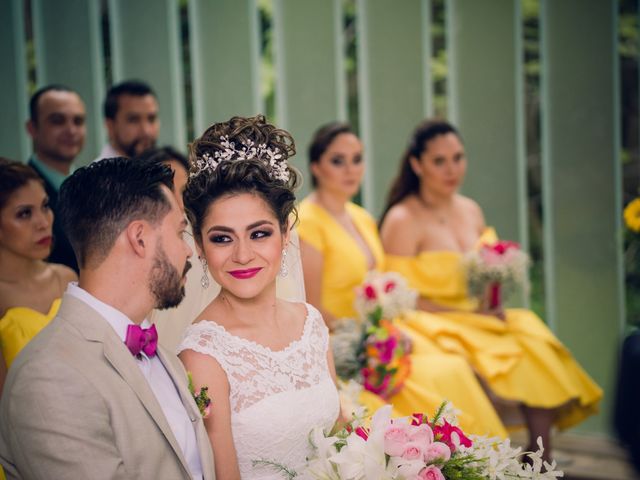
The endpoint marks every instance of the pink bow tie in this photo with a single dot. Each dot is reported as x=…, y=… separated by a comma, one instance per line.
x=142, y=339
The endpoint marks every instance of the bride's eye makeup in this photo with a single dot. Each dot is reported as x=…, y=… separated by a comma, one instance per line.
x=219, y=238
x=258, y=234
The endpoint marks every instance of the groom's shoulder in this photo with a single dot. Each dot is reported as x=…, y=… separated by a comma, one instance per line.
x=59, y=343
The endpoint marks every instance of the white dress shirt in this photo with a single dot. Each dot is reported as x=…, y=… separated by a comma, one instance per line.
x=158, y=378
x=108, y=152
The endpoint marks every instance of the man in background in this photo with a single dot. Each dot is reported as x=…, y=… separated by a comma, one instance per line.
x=131, y=118
x=57, y=129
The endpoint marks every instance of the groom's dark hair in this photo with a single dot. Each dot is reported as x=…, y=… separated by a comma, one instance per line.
x=98, y=201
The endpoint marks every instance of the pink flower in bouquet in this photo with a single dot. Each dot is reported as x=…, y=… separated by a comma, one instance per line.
x=418, y=418
x=421, y=434
x=503, y=246
x=395, y=439
x=380, y=389
x=431, y=473
x=437, y=451
x=389, y=286
x=387, y=348
x=370, y=292
x=362, y=433
x=413, y=451
x=446, y=432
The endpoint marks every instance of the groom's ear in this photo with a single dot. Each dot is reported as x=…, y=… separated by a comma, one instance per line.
x=138, y=237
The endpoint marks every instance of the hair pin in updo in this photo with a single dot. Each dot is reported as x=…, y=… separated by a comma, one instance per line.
x=271, y=157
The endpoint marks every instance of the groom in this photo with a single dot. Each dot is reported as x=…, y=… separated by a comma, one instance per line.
x=91, y=396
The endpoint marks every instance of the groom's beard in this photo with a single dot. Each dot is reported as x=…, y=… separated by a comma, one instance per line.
x=165, y=281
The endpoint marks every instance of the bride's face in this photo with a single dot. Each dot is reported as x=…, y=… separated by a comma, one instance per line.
x=242, y=243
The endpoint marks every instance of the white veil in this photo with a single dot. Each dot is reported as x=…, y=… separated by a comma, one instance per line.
x=171, y=323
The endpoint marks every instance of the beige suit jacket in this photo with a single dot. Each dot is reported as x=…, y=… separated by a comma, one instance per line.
x=76, y=405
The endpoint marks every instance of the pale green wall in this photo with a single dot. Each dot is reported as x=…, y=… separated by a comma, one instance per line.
x=581, y=170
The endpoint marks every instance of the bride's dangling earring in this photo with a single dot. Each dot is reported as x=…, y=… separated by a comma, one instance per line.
x=204, y=281
x=283, y=264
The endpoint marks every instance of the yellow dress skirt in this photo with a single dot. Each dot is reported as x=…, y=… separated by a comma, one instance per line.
x=435, y=375
x=518, y=358
x=17, y=327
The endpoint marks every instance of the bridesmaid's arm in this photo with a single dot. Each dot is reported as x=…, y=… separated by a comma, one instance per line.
x=312, y=263
x=205, y=371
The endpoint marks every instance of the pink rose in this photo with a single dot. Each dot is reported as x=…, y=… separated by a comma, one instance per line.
x=437, y=451
x=431, y=473
x=413, y=451
x=370, y=292
x=421, y=434
x=395, y=439
x=390, y=285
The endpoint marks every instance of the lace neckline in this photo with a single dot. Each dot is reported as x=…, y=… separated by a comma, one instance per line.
x=263, y=348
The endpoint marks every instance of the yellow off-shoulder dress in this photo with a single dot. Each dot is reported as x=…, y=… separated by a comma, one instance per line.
x=19, y=325
x=518, y=358
x=435, y=375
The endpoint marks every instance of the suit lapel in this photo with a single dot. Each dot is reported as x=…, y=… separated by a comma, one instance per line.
x=83, y=317
x=179, y=377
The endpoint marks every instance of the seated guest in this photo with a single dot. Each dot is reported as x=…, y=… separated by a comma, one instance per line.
x=131, y=118
x=427, y=228
x=30, y=288
x=340, y=245
x=93, y=395
x=57, y=128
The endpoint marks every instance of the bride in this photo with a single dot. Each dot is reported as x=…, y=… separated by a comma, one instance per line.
x=265, y=361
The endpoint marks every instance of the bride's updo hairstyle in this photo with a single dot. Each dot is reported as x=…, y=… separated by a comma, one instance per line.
x=242, y=155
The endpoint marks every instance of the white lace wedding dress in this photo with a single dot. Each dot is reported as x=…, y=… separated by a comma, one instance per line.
x=276, y=397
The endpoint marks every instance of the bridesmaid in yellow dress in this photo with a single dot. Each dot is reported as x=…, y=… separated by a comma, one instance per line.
x=30, y=288
x=426, y=229
x=339, y=245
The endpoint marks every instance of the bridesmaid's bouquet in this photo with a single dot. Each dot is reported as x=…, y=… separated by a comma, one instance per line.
x=416, y=448
x=495, y=271
x=373, y=351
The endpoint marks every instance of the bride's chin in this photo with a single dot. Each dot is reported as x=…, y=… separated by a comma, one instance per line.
x=246, y=291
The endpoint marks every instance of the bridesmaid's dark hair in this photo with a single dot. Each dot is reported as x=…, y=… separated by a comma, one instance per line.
x=234, y=176
x=407, y=182
x=14, y=175
x=322, y=138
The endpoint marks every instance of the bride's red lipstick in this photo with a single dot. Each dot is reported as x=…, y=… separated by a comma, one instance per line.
x=244, y=274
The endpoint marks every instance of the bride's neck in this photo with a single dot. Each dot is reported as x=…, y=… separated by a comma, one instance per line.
x=250, y=311
x=16, y=268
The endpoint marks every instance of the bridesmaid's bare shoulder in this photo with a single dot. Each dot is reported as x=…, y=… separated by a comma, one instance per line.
x=64, y=273
x=471, y=211
x=399, y=232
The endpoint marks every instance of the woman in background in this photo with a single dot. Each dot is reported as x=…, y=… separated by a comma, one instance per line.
x=30, y=288
x=340, y=244
x=426, y=229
